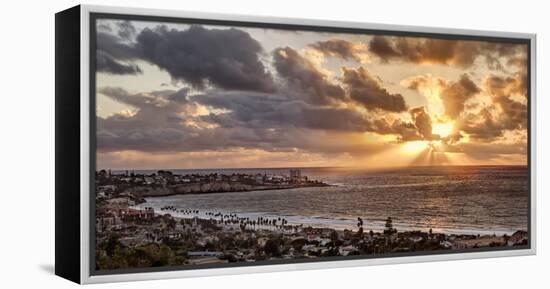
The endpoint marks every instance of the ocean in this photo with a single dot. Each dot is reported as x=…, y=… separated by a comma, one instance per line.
x=447, y=199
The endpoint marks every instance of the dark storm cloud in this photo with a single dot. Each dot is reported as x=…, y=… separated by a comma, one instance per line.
x=514, y=113
x=115, y=56
x=508, y=85
x=420, y=128
x=383, y=48
x=338, y=48
x=274, y=112
x=367, y=91
x=441, y=51
x=455, y=95
x=404, y=130
x=485, y=126
x=157, y=125
x=126, y=30
x=168, y=121
x=423, y=123
x=503, y=88
x=304, y=78
x=116, y=47
x=269, y=111
x=508, y=113
x=106, y=63
x=227, y=58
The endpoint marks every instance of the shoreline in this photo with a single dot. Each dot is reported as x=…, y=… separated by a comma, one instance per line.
x=144, y=238
x=127, y=237
x=345, y=224
x=173, y=191
x=133, y=231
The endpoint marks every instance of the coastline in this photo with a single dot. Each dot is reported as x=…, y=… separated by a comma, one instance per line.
x=133, y=231
x=162, y=239
x=339, y=224
x=212, y=188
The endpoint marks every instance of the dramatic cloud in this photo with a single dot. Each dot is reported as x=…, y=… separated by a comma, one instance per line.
x=173, y=121
x=126, y=30
x=302, y=76
x=342, y=49
x=423, y=123
x=508, y=85
x=505, y=112
x=271, y=111
x=275, y=112
x=513, y=112
x=106, y=63
x=286, y=106
x=156, y=123
x=404, y=130
x=367, y=91
x=383, y=48
x=441, y=51
x=115, y=56
x=227, y=58
x=455, y=94
x=452, y=94
x=481, y=126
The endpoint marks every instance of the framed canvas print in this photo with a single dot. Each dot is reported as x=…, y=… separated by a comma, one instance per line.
x=191, y=144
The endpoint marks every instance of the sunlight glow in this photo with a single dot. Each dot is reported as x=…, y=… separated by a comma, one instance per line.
x=442, y=129
x=414, y=147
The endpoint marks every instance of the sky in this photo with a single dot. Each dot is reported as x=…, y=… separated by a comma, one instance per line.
x=175, y=95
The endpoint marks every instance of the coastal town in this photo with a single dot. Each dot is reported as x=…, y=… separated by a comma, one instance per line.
x=164, y=182
x=131, y=236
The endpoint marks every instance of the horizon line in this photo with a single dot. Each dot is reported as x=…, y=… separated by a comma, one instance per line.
x=313, y=167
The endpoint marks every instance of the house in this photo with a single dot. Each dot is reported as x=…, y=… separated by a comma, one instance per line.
x=259, y=178
x=344, y=251
x=121, y=202
x=261, y=241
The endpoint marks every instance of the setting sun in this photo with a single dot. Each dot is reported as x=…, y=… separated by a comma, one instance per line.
x=442, y=129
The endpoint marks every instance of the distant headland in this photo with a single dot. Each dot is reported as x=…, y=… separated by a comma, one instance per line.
x=166, y=183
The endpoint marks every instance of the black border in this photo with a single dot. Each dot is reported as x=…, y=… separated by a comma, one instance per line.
x=292, y=27
x=67, y=144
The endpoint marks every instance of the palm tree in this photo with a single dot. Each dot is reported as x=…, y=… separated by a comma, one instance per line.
x=389, y=227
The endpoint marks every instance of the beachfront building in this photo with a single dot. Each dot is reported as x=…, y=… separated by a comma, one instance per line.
x=295, y=175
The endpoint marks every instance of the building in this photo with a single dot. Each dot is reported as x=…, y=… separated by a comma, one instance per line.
x=259, y=178
x=295, y=175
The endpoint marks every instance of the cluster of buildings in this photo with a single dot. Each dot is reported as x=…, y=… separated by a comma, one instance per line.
x=214, y=239
x=164, y=178
x=219, y=238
